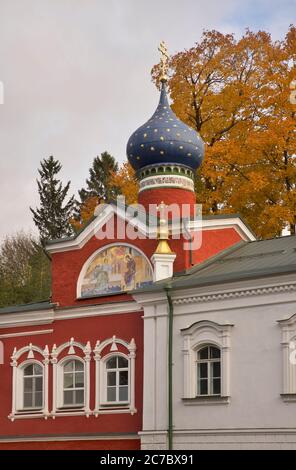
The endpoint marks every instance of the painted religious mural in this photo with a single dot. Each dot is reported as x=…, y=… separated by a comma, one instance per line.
x=115, y=269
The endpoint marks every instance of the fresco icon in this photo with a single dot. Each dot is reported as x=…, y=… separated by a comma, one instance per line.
x=116, y=269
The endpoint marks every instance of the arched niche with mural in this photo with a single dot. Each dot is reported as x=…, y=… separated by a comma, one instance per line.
x=112, y=269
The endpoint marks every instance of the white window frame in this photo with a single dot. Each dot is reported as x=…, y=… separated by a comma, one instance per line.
x=209, y=378
x=21, y=380
x=18, y=362
x=58, y=408
x=288, y=344
x=201, y=334
x=103, y=380
x=60, y=384
x=102, y=353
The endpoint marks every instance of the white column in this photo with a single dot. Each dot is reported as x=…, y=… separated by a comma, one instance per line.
x=163, y=266
x=132, y=357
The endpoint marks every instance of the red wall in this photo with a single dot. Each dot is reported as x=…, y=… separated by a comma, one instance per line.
x=66, y=266
x=124, y=326
x=120, y=444
x=168, y=196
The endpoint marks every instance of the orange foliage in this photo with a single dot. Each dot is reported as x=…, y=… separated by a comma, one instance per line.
x=86, y=209
x=236, y=94
x=124, y=180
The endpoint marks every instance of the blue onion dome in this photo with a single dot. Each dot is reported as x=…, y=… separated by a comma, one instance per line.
x=165, y=139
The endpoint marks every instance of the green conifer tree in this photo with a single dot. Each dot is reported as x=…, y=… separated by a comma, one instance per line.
x=53, y=215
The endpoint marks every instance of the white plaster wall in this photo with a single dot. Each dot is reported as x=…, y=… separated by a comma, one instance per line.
x=256, y=416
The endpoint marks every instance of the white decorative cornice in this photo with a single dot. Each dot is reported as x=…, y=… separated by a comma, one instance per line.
x=235, y=294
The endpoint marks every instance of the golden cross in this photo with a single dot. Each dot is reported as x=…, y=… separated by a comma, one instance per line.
x=163, y=60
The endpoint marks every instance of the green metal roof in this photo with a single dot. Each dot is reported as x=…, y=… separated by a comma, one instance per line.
x=44, y=305
x=245, y=260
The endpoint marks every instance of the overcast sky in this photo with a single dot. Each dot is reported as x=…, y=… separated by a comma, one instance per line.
x=76, y=76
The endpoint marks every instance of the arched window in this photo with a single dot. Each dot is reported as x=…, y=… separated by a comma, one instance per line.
x=206, y=354
x=32, y=386
x=117, y=380
x=73, y=383
x=209, y=371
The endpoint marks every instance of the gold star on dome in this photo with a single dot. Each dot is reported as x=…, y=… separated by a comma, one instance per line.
x=145, y=135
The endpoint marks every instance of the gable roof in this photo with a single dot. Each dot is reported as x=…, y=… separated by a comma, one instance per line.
x=146, y=223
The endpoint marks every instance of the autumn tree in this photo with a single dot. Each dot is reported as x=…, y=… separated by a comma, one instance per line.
x=126, y=183
x=53, y=215
x=235, y=93
x=24, y=270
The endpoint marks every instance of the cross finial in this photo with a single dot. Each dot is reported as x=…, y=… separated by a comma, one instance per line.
x=163, y=61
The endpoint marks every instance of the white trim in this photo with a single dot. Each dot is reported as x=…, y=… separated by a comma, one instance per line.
x=101, y=406
x=95, y=254
x=17, y=386
x=233, y=222
x=204, y=333
x=71, y=313
x=288, y=328
x=172, y=180
x=26, y=333
x=35, y=317
x=112, y=308
x=57, y=397
x=150, y=232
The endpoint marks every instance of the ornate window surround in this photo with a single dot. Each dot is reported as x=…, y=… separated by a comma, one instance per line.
x=288, y=344
x=199, y=334
x=96, y=253
x=101, y=405
x=57, y=399
x=17, y=411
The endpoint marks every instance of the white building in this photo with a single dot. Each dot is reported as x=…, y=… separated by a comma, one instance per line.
x=233, y=353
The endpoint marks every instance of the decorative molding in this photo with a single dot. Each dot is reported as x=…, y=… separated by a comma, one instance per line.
x=100, y=404
x=14, y=320
x=35, y=317
x=148, y=231
x=17, y=381
x=288, y=328
x=199, y=334
x=235, y=294
x=57, y=397
x=288, y=397
x=26, y=333
x=166, y=181
x=210, y=400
